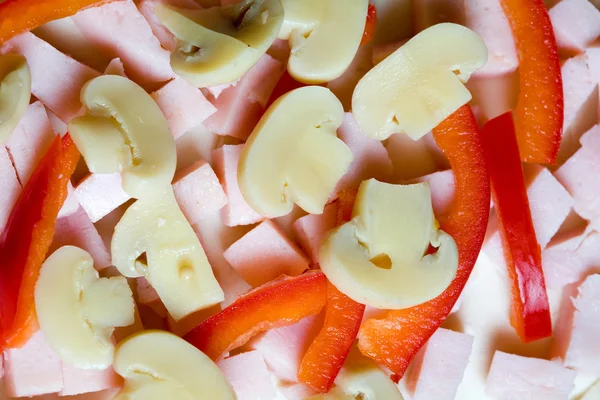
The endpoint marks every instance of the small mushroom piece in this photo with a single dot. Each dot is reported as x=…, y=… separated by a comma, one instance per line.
x=15, y=92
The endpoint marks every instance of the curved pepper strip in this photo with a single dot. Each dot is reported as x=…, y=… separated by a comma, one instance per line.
x=370, y=26
x=19, y=16
x=326, y=355
x=530, y=308
x=273, y=305
x=539, y=113
x=395, y=340
x=27, y=238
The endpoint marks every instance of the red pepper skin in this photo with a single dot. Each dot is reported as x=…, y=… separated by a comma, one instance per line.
x=530, y=308
x=272, y=305
x=326, y=355
x=370, y=26
x=394, y=340
x=19, y=16
x=539, y=113
x=27, y=238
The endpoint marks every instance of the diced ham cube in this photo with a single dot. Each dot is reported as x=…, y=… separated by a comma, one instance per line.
x=311, y=229
x=438, y=368
x=198, y=191
x=370, y=157
x=431, y=12
x=184, y=106
x=247, y=373
x=78, y=230
x=237, y=211
x=240, y=107
x=32, y=370
x=56, y=79
x=99, y=194
x=58, y=126
x=514, y=377
x=121, y=31
x=30, y=141
x=297, y=391
x=79, y=381
x=581, y=104
x=11, y=188
x=443, y=189
x=283, y=348
x=115, y=67
x=265, y=253
x=576, y=25
x=164, y=36
x=215, y=91
x=71, y=204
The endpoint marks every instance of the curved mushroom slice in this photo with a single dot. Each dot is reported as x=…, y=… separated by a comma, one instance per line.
x=155, y=241
x=324, y=36
x=124, y=130
x=420, y=84
x=159, y=365
x=15, y=92
x=78, y=311
x=293, y=155
x=379, y=257
x=220, y=44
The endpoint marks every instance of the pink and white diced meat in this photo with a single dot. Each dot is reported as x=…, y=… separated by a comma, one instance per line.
x=265, y=253
x=119, y=30
x=198, y=191
x=240, y=107
x=78, y=230
x=184, y=106
x=487, y=19
x=576, y=338
x=71, y=204
x=443, y=188
x=311, y=229
x=115, y=67
x=514, y=377
x=283, y=348
x=249, y=377
x=79, y=381
x=370, y=158
x=581, y=113
x=30, y=141
x=576, y=24
x=297, y=391
x=56, y=79
x=11, y=189
x=438, y=368
x=237, y=211
x=431, y=12
x=215, y=91
x=32, y=370
x=164, y=36
x=99, y=194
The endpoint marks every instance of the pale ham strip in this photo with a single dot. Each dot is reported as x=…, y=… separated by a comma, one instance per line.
x=11, y=188
x=311, y=229
x=115, y=67
x=99, y=194
x=71, y=204
x=164, y=36
x=79, y=381
x=576, y=24
x=56, y=79
x=247, y=373
x=443, y=189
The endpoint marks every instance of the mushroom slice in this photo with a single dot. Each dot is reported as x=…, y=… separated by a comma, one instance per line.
x=380, y=257
x=15, y=92
x=124, y=130
x=78, y=311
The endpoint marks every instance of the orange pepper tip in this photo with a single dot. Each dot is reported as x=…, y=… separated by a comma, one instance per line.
x=370, y=25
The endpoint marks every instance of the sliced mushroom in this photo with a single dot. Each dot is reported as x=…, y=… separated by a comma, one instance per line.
x=15, y=92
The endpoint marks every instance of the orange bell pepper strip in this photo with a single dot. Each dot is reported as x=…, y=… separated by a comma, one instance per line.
x=394, y=340
x=530, y=308
x=273, y=305
x=19, y=16
x=370, y=26
x=27, y=238
x=539, y=113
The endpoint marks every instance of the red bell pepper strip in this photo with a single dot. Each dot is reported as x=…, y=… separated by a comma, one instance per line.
x=395, y=340
x=272, y=305
x=539, y=113
x=19, y=16
x=370, y=26
x=326, y=355
x=27, y=238
x=530, y=308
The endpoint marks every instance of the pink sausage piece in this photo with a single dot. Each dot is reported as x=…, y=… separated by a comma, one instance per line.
x=164, y=36
x=514, y=377
x=119, y=30
x=11, y=188
x=443, y=189
x=283, y=348
x=265, y=253
x=79, y=381
x=184, y=106
x=312, y=228
x=56, y=79
x=215, y=91
x=71, y=204
x=438, y=368
x=115, y=67
x=576, y=24
x=237, y=211
x=99, y=194
x=247, y=373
